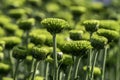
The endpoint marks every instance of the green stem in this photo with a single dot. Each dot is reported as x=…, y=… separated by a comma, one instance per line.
x=76, y=67
x=69, y=73
x=47, y=71
x=35, y=68
x=95, y=55
x=16, y=69
x=117, y=67
x=104, y=63
x=55, y=58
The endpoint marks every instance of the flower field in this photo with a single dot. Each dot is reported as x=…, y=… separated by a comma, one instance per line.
x=59, y=40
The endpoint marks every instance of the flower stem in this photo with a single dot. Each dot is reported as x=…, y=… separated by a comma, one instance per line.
x=55, y=58
x=69, y=73
x=47, y=71
x=76, y=67
x=35, y=68
x=16, y=70
x=104, y=62
x=95, y=55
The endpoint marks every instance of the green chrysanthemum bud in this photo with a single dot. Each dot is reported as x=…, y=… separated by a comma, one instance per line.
x=4, y=68
x=10, y=28
x=98, y=42
x=39, y=78
x=54, y=25
x=2, y=44
x=40, y=53
x=17, y=13
x=7, y=78
x=4, y=19
x=78, y=10
x=19, y=52
x=96, y=70
x=111, y=35
x=37, y=39
x=11, y=41
x=52, y=7
x=39, y=16
x=77, y=48
x=97, y=6
x=91, y=25
x=30, y=48
x=76, y=35
x=19, y=33
x=26, y=24
x=1, y=56
x=2, y=32
x=109, y=24
x=67, y=59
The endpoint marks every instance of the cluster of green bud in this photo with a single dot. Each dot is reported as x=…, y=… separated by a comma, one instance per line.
x=37, y=39
x=77, y=48
x=111, y=35
x=91, y=25
x=4, y=68
x=78, y=10
x=40, y=53
x=2, y=45
x=11, y=41
x=76, y=34
x=17, y=13
x=54, y=25
x=109, y=24
x=96, y=70
x=98, y=42
x=39, y=16
x=19, y=33
x=26, y=24
x=19, y=52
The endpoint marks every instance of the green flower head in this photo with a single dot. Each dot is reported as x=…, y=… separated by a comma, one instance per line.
x=19, y=52
x=11, y=41
x=7, y=78
x=111, y=35
x=4, y=68
x=76, y=48
x=1, y=56
x=76, y=34
x=54, y=25
x=40, y=53
x=26, y=24
x=91, y=25
x=98, y=42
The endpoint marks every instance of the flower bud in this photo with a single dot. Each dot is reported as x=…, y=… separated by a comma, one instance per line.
x=91, y=25
x=11, y=41
x=17, y=13
x=96, y=70
x=76, y=48
x=67, y=59
x=40, y=53
x=111, y=35
x=76, y=35
x=1, y=56
x=2, y=32
x=54, y=25
x=19, y=52
x=39, y=78
x=98, y=42
x=109, y=24
x=4, y=68
x=38, y=39
x=26, y=24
